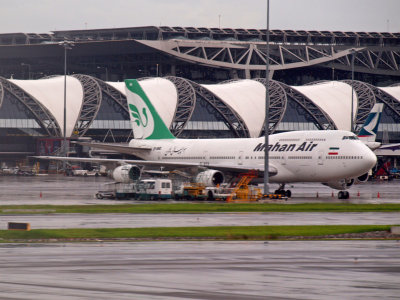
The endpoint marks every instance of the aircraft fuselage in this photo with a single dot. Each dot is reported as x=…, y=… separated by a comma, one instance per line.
x=301, y=156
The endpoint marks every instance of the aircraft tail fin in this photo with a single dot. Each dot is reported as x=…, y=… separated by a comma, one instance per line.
x=146, y=122
x=369, y=129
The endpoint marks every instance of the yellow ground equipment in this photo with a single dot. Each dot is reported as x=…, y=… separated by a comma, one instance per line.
x=194, y=191
x=242, y=191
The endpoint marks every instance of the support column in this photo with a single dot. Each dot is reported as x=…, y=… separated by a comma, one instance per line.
x=247, y=74
x=173, y=70
x=233, y=74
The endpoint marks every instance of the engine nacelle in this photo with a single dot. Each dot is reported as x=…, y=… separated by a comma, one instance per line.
x=210, y=178
x=343, y=184
x=363, y=178
x=126, y=173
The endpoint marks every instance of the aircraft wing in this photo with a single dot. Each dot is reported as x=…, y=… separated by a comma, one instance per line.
x=120, y=148
x=235, y=169
x=392, y=147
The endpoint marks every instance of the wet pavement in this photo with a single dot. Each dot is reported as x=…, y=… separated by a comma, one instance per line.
x=63, y=190
x=57, y=221
x=191, y=269
x=51, y=189
x=201, y=270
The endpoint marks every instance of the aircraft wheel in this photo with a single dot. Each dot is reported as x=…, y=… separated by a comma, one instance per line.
x=99, y=196
x=288, y=193
x=343, y=195
x=210, y=196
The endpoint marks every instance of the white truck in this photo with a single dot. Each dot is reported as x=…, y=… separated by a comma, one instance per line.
x=146, y=189
x=154, y=189
x=85, y=173
x=118, y=191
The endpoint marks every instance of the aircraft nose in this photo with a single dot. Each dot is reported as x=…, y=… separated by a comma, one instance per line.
x=370, y=158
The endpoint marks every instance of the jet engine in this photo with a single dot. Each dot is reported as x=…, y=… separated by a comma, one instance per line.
x=210, y=178
x=363, y=178
x=343, y=184
x=126, y=173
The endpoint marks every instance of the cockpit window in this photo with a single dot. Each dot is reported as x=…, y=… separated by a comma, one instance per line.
x=350, y=137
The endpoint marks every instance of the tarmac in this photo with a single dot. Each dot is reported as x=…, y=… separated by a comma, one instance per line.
x=201, y=270
x=218, y=270
x=65, y=190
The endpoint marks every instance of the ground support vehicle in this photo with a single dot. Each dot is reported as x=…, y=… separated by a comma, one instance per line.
x=146, y=189
x=197, y=191
x=242, y=191
x=118, y=191
x=154, y=189
x=191, y=191
x=80, y=172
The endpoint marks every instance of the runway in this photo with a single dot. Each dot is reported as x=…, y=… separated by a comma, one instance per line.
x=58, y=221
x=201, y=270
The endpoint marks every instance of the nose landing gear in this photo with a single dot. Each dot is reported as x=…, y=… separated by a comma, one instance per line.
x=343, y=195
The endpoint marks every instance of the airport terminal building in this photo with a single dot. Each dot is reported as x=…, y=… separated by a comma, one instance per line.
x=204, y=82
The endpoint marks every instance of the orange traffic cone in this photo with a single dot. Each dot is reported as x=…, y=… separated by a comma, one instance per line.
x=378, y=196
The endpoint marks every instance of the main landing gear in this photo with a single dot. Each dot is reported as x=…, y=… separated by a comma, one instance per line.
x=281, y=191
x=343, y=195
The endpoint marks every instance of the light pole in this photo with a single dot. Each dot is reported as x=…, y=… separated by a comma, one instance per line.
x=67, y=45
x=266, y=126
x=353, y=52
x=29, y=69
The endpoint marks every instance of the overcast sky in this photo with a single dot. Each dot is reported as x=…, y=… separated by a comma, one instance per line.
x=41, y=16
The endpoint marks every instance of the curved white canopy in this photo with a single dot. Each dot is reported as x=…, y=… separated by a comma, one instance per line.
x=246, y=98
x=334, y=98
x=50, y=93
x=119, y=86
x=393, y=91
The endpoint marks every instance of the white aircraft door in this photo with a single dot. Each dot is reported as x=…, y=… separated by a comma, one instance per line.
x=206, y=158
x=320, y=157
x=240, y=158
x=283, y=159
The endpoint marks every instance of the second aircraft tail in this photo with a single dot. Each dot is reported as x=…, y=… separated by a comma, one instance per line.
x=369, y=129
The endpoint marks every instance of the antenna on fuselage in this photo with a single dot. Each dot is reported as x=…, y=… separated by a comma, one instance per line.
x=266, y=126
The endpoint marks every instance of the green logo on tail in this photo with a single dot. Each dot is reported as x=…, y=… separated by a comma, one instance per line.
x=144, y=116
x=137, y=116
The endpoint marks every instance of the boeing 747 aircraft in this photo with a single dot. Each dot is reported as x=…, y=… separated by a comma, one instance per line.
x=335, y=158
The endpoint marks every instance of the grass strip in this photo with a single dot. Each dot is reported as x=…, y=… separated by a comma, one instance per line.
x=223, y=232
x=199, y=208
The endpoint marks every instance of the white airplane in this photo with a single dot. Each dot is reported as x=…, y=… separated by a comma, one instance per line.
x=335, y=158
